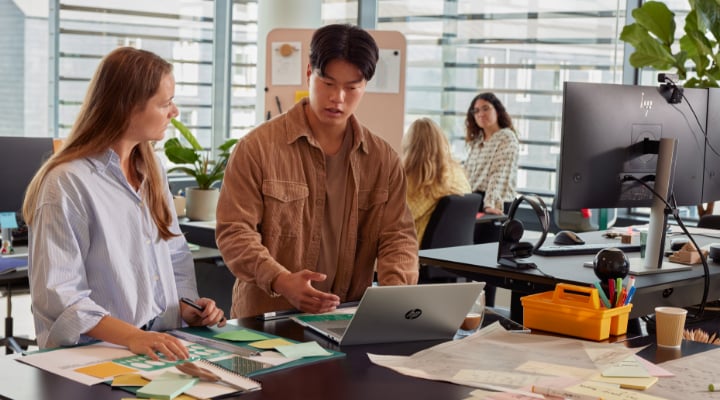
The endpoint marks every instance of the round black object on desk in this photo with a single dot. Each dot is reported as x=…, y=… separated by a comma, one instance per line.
x=714, y=252
x=611, y=263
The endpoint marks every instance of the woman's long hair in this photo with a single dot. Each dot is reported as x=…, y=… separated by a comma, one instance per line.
x=123, y=83
x=427, y=159
x=472, y=129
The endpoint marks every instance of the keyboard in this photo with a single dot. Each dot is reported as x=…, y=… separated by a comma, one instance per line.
x=582, y=249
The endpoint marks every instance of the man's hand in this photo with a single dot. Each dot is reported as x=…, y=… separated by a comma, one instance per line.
x=297, y=289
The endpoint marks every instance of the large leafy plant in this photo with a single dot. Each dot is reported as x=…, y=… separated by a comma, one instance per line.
x=653, y=35
x=205, y=170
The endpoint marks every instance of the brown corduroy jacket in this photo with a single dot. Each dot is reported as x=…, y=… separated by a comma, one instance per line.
x=271, y=210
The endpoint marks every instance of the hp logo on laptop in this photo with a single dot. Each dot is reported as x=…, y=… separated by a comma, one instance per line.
x=413, y=314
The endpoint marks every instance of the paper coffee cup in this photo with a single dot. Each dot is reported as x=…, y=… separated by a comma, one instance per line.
x=669, y=326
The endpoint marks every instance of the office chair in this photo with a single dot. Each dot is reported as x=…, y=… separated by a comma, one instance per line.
x=13, y=343
x=452, y=223
x=709, y=221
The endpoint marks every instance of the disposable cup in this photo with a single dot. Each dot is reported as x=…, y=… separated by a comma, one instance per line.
x=669, y=326
x=474, y=317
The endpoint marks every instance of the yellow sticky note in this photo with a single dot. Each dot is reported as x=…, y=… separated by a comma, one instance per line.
x=105, y=370
x=639, y=383
x=299, y=94
x=270, y=343
x=129, y=380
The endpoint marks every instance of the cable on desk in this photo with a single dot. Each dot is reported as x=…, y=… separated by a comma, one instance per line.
x=673, y=210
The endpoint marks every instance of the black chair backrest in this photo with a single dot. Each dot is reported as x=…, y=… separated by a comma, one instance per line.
x=452, y=223
x=709, y=221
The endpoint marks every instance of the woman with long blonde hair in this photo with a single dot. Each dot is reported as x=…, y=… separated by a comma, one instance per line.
x=430, y=169
x=106, y=257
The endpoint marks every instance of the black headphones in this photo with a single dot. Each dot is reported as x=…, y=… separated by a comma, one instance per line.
x=510, y=248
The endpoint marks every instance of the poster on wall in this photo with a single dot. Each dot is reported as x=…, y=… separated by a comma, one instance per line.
x=387, y=73
x=286, y=63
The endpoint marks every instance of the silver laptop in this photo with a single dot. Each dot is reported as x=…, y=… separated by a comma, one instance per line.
x=389, y=314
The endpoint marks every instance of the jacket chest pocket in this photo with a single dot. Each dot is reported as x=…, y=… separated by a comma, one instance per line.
x=284, y=206
x=371, y=206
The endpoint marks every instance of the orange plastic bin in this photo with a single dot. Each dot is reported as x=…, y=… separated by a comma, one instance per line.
x=574, y=311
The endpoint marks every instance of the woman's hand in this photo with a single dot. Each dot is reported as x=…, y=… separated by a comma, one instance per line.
x=150, y=343
x=210, y=315
x=491, y=210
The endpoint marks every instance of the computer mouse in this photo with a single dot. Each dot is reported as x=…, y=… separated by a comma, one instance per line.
x=567, y=237
x=677, y=243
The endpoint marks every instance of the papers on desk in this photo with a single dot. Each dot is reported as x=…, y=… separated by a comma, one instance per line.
x=496, y=360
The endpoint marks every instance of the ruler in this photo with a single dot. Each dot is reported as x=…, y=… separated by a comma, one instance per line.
x=215, y=344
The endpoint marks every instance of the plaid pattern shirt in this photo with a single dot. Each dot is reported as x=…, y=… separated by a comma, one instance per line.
x=491, y=167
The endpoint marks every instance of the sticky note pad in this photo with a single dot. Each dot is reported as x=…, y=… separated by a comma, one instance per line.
x=271, y=343
x=242, y=335
x=307, y=349
x=129, y=380
x=628, y=368
x=105, y=370
x=167, y=388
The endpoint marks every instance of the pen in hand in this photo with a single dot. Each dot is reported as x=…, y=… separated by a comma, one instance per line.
x=192, y=304
x=196, y=305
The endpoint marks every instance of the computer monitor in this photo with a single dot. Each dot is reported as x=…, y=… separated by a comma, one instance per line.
x=711, y=182
x=20, y=158
x=600, y=122
x=603, y=142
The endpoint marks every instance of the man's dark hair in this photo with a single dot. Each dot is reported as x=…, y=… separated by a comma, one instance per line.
x=346, y=42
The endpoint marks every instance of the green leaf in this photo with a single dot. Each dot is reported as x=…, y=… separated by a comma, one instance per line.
x=186, y=170
x=205, y=171
x=181, y=155
x=657, y=18
x=186, y=134
x=708, y=16
x=648, y=50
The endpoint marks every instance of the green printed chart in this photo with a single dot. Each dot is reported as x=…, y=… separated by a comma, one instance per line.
x=145, y=363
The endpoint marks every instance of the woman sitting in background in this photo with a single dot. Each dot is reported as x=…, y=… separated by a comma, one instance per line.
x=431, y=172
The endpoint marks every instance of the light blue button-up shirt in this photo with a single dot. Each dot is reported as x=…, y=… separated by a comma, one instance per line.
x=94, y=250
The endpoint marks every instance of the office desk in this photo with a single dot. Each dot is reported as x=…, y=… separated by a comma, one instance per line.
x=479, y=262
x=352, y=377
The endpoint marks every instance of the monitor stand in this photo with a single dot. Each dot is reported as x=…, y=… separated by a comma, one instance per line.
x=638, y=266
x=655, y=243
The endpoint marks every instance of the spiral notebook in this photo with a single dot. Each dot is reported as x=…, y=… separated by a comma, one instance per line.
x=233, y=381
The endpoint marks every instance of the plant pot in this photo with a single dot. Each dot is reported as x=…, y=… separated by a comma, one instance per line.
x=201, y=204
x=179, y=202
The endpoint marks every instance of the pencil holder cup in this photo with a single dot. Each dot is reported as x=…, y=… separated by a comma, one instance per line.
x=611, y=263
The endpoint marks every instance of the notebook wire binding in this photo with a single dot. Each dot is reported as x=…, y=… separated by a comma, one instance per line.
x=232, y=378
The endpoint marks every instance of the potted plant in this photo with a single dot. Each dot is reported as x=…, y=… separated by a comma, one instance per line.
x=698, y=50
x=653, y=36
x=196, y=161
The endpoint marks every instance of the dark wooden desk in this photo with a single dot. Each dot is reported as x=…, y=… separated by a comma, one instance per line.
x=479, y=262
x=352, y=377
